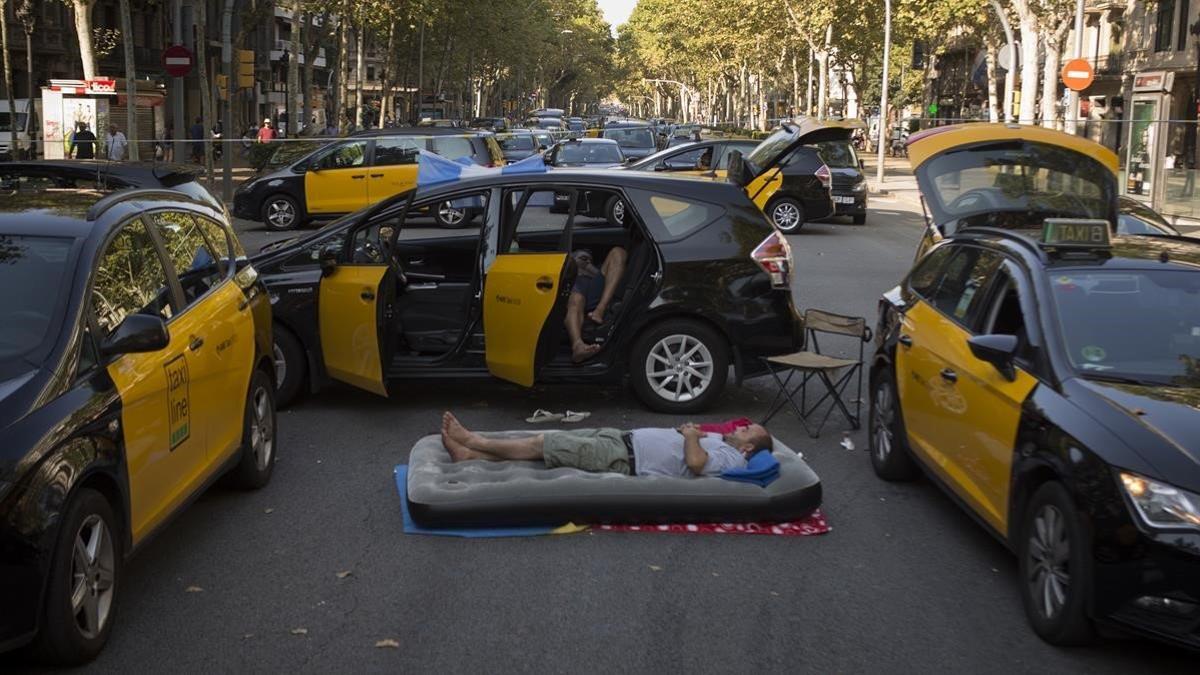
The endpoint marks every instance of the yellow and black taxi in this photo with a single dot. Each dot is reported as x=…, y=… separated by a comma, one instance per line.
x=343, y=177
x=135, y=369
x=709, y=157
x=1046, y=373
x=385, y=296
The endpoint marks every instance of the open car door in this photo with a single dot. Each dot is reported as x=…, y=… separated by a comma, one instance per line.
x=354, y=296
x=758, y=173
x=525, y=294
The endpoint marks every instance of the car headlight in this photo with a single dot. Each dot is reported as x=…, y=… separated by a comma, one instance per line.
x=1160, y=504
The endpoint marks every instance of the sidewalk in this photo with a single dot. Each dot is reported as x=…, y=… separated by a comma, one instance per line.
x=898, y=181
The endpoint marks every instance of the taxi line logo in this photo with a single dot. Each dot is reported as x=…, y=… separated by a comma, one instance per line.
x=178, y=402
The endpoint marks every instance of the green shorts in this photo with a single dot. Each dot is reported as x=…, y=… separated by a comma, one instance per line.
x=595, y=450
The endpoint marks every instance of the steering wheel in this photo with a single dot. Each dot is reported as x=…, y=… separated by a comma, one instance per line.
x=986, y=195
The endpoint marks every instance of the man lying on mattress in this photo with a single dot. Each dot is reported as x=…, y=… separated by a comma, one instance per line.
x=686, y=451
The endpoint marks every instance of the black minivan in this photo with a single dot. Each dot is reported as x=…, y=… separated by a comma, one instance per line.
x=384, y=295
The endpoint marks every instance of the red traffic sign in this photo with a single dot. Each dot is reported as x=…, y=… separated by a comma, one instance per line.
x=177, y=60
x=1078, y=74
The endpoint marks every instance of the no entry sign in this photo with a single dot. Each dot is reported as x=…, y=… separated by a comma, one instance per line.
x=177, y=61
x=1078, y=74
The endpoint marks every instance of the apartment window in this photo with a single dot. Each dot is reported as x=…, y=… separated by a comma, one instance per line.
x=1164, y=24
x=370, y=72
x=1181, y=44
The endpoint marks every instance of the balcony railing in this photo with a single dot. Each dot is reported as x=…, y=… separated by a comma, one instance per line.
x=1108, y=64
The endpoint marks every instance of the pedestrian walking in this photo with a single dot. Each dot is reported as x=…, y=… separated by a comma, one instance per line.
x=116, y=145
x=83, y=143
x=266, y=133
x=196, y=136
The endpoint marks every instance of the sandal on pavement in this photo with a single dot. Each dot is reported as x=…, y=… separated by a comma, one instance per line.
x=573, y=416
x=540, y=416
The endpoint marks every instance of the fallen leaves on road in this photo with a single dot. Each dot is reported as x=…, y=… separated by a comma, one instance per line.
x=387, y=644
x=268, y=510
x=193, y=589
x=655, y=568
x=344, y=574
x=299, y=631
x=247, y=636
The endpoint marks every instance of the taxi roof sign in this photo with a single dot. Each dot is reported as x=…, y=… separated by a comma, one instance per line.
x=1076, y=233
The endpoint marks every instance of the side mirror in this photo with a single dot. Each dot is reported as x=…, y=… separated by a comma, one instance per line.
x=328, y=259
x=137, y=333
x=547, y=158
x=998, y=350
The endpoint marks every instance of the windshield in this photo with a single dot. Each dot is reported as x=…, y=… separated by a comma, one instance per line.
x=1097, y=309
x=291, y=151
x=638, y=137
x=524, y=142
x=37, y=266
x=6, y=121
x=1016, y=185
x=838, y=154
x=589, y=153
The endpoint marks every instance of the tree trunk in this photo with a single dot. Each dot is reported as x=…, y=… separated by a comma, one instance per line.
x=306, y=74
x=762, y=104
x=795, y=86
x=83, y=27
x=131, y=130
x=385, y=79
x=343, y=81
x=360, y=47
x=823, y=60
x=293, y=71
x=421, y=71
x=1029, y=62
x=1050, y=84
x=206, y=112
x=992, y=85
x=8, y=84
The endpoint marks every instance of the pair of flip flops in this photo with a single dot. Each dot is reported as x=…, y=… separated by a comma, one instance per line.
x=571, y=416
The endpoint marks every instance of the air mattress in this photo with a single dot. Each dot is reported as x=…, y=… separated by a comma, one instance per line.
x=443, y=493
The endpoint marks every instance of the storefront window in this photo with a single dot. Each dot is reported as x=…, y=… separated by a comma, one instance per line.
x=1139, y=179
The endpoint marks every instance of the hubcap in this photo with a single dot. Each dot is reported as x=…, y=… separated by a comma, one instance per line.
x=449, y=214
x=280, y=366
x=619, y=211
x=262, y=428
x=281, y=213
x=882, y=415
x=679, y=368
x=92, y=565
x=1049, y=575
x=785, y=215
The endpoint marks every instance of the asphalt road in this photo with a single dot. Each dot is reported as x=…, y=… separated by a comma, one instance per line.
x=905, y=582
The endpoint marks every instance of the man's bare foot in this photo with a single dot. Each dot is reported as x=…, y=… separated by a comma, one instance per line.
x=458, y=451
x=582, y=351
x=597, y=315
x=454, y=429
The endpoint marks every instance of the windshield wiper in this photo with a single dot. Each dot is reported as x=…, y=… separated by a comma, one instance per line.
x=1116, y=379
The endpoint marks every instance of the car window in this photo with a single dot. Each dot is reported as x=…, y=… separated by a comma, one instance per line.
x=687, y=159
x=540, y=224
x=394, y=151
x=588, y=153
x=517, y=142
x=453, y=147
x=130, y=279
x=218, y=239
x=838, y=154
x=34, y=274
x=924, y=277
x=669, y=217
x=968, y=272
x=197, y=264
x=1004, y=316
x=345, y=156
x=636, y=137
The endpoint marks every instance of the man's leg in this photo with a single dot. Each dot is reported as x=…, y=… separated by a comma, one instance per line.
x=580, y=350
x=612, y=269
x=464, y=445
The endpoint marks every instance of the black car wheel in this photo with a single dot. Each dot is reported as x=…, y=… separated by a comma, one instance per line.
x=889, y=448
x=81, y=598
x=679, y=366
x=786, y=214
x=451, y=218
x=280, y=212
x=254, y=468
x=860, y=219
x=1052, y=549
x=290, y=365
x=614, y=210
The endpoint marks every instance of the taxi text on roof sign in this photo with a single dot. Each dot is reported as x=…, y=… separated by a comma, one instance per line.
x=1075, y=233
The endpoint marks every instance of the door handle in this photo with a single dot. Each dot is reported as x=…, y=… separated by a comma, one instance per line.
x=359, y=177
x=416, y=262
x=376, y=175
x=905, y=340
x=949, y=375
x=196, y=343
x=545, y=284
x=367, y=294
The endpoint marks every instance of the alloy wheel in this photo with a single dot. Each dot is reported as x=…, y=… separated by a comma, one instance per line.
x=280, y=366
x=679, y=368
x=450, y=215
x=786, y=216
x=281, y=213
x=619, y=211
x=883, y=414
x=92, y=563
x=1049, y=553
x=262, y=428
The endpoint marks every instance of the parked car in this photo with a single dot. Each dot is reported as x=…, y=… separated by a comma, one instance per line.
x=518, y=144
x=135, y=369
x=1134, y=217
x=637, y=140
x=695, y=158
x=595, y=153
x=848, y=184
x=348, y=175
x=463, y=303
x=544, y=138
x=96, y=174
x=496, y=124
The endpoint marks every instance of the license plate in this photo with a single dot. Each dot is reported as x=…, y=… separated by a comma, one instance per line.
x=843, y=200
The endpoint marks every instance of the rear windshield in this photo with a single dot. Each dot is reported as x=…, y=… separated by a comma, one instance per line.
x=38, y=266
x=631, y=138
x=522, y=142
x=838, y=154
x=589, y=153
x=453, y=147
x=775, y=144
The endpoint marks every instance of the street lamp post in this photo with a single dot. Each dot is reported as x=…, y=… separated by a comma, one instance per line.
x=1072, y=95
x=883, y=92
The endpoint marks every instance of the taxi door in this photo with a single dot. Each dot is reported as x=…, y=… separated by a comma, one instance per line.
x=525, y=294
x=164, y=439
x=337, y=181
x=393, y=167
x=353, y=308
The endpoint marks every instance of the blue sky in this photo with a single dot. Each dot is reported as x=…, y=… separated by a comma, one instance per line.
x=616, y=12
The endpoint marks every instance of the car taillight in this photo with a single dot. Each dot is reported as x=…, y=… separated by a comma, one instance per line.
x=774, y=256
x=824, y=176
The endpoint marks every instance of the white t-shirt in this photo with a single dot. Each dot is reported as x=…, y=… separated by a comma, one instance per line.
x=659, y=452
x=116, y=146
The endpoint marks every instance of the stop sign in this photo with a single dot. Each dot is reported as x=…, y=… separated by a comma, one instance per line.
x=177, y=60
x=1077, y=75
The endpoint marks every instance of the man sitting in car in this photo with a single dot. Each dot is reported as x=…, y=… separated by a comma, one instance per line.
x=592, y=294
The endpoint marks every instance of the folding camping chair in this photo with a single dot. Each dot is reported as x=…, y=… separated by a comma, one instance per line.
x=813, y=365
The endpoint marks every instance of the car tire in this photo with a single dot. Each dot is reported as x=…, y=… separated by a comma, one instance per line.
x=890, y=454
x=257, y=461
x=65, y=637
x=1054, y=561
x=281, y=212
x=614, y=211
x=660, y=344
x=786, y=214
x=291, y=364
x=860, y=219
x=451, y=218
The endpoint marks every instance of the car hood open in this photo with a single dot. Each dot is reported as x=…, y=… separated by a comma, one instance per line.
x=780, y=144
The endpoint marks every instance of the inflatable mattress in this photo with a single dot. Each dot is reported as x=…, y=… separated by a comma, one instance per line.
x=479, y=493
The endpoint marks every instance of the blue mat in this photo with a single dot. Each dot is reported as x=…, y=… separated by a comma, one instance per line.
x=411, y=527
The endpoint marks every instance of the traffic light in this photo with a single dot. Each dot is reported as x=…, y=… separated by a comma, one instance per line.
x=245, y=68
